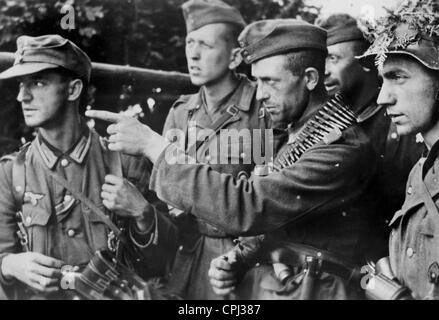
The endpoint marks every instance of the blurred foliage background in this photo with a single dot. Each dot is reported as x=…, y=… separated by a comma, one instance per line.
x=142, y=33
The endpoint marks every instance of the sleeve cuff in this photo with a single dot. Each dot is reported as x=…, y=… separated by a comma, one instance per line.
x=3, y=280
x=144, y=239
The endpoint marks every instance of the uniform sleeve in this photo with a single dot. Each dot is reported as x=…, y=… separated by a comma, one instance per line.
x=157, y=246
x=170, y=122
x=8, y=226
x=324, y=176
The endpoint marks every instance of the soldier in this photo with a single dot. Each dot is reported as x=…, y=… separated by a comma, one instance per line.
x=405, y=51
x=359, y=87
x=46, y=181
x=225, y=101
x=312, y=205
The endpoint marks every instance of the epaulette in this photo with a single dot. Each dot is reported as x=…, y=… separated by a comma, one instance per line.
x=181, y=100
x=14, y=155
x=9, y=157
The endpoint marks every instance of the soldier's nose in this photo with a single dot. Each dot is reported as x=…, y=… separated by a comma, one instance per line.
x=23, y=94
x=385, y=97
x=327, y=73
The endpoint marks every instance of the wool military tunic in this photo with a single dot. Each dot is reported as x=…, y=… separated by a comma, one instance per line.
x=396, y=156
x=319, y=201
x=413, y=244
x=200, y=241
x=57, y=224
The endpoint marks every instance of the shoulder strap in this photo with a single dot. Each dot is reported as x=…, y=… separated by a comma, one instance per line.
x=90, y=204
x=428, y=200
x=231, y=112
x=19, y=176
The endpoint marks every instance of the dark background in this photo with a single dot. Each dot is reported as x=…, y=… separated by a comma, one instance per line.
x=142, y=33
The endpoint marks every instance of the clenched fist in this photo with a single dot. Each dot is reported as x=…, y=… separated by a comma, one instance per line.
x=122, y=197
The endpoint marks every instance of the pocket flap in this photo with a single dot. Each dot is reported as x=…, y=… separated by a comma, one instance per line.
x=33, y=215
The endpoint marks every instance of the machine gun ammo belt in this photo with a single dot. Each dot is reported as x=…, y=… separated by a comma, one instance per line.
x=326, y=126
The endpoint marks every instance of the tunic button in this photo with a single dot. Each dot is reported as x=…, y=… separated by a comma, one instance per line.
x=28, y=220
x=410, y=252
x=64, y=162
x=257, y=265
x=71, y=233
x=208, y=158
x=394, y=135
x=180, y=248
x=410, y=190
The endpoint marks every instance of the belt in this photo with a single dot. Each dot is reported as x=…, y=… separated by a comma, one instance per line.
x=298, y=255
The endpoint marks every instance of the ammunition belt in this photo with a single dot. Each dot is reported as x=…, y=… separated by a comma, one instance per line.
x=326, y=126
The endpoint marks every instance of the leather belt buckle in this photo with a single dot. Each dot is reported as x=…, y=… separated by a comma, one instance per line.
x=232, y=110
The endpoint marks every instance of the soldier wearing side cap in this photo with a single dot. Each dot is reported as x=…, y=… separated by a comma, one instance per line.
x=359, y=87
x=405, y=52
x=225, y=101
x=311, y=207
x=44, y=224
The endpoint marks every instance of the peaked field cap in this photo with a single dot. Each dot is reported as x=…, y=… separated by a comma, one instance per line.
x=341, y=27
x=35, y=54
x=198, y=13
x=266, y=38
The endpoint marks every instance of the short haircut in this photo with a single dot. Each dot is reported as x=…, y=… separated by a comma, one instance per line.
x=68, y=75
x=298, y=61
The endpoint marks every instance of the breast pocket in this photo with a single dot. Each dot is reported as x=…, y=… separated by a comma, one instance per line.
x=428, y=241
x=97, y=229
x=36, y=220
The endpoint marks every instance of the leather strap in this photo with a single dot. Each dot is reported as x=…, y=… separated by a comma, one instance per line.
x=231, y=112
x=90, y=204
x=19, y=177
x=428, y=200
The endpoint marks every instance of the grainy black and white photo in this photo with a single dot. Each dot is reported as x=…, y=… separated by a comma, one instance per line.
x=231, y=150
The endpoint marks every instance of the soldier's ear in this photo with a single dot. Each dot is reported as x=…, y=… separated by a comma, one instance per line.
x=75, y=89
x=312, y=78
x=235, y=58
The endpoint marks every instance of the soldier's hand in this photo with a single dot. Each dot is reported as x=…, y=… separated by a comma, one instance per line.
x=122, y=197
x=130, y=136
x=223, y=273
x=38, y=271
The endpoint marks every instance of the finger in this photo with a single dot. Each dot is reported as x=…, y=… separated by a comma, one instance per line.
x=41, y=288
x=110, y=205
x=222, y=284
x=221, y=275
x=223, y=292
x=109, y=188
x=49, y=273
x=104, y=115
x=115, y=146
x=222, y=264
x=112, y=129
x=113, y=180
x=107, y=196
x=46, y=282
x=232, y=257
x=48, y=261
